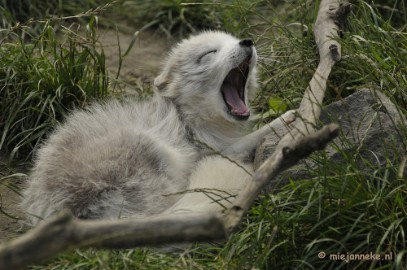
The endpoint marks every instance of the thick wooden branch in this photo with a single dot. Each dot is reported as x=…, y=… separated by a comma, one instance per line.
x=65, y=232
x=331, y=15
x=286, y=155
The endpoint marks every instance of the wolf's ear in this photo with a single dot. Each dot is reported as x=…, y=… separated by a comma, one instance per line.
x=162, y=80
x=165, y=81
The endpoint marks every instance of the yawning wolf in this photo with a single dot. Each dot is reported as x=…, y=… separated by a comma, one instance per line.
x=188, y=148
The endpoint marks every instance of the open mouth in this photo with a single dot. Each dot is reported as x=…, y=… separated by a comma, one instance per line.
x=233, y=90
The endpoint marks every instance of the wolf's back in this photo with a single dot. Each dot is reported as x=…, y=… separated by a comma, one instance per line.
x=110, y=161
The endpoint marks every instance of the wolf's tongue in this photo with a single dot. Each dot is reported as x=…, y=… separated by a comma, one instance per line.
x=236, y=104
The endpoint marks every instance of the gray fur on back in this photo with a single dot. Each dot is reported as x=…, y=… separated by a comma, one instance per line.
x=110, y=160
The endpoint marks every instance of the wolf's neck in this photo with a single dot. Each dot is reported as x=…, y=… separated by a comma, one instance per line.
x=216, y=135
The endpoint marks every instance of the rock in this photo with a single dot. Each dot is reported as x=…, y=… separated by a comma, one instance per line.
x=371, y=137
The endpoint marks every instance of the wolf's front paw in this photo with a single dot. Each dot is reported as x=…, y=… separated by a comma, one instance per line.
x=289, y=116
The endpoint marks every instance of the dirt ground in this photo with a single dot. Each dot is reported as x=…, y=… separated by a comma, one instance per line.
x=139, y=69
x=142, y=64
x=9, y=200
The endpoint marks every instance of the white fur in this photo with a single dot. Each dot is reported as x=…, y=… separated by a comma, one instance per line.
x=162, y=155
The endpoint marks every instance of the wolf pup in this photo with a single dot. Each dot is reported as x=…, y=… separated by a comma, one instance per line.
x=187, y=149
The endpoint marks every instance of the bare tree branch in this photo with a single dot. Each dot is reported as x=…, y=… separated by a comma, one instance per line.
x=65, y=232
x=301, y=139
x=331, y=14
x=286, y=155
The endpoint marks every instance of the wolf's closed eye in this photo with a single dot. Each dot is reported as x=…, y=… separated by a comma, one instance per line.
x=205, y=54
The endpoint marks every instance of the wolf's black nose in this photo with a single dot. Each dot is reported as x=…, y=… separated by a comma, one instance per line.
x=246, y=42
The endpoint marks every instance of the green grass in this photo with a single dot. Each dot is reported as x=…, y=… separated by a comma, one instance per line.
x=41, y=80
x=176, y=19
x=339, y=209
x=22, y=11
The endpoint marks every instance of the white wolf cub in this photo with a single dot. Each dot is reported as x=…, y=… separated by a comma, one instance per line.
x=186, y=149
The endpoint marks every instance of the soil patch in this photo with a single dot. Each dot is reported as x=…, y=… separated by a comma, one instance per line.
x=144, y=61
